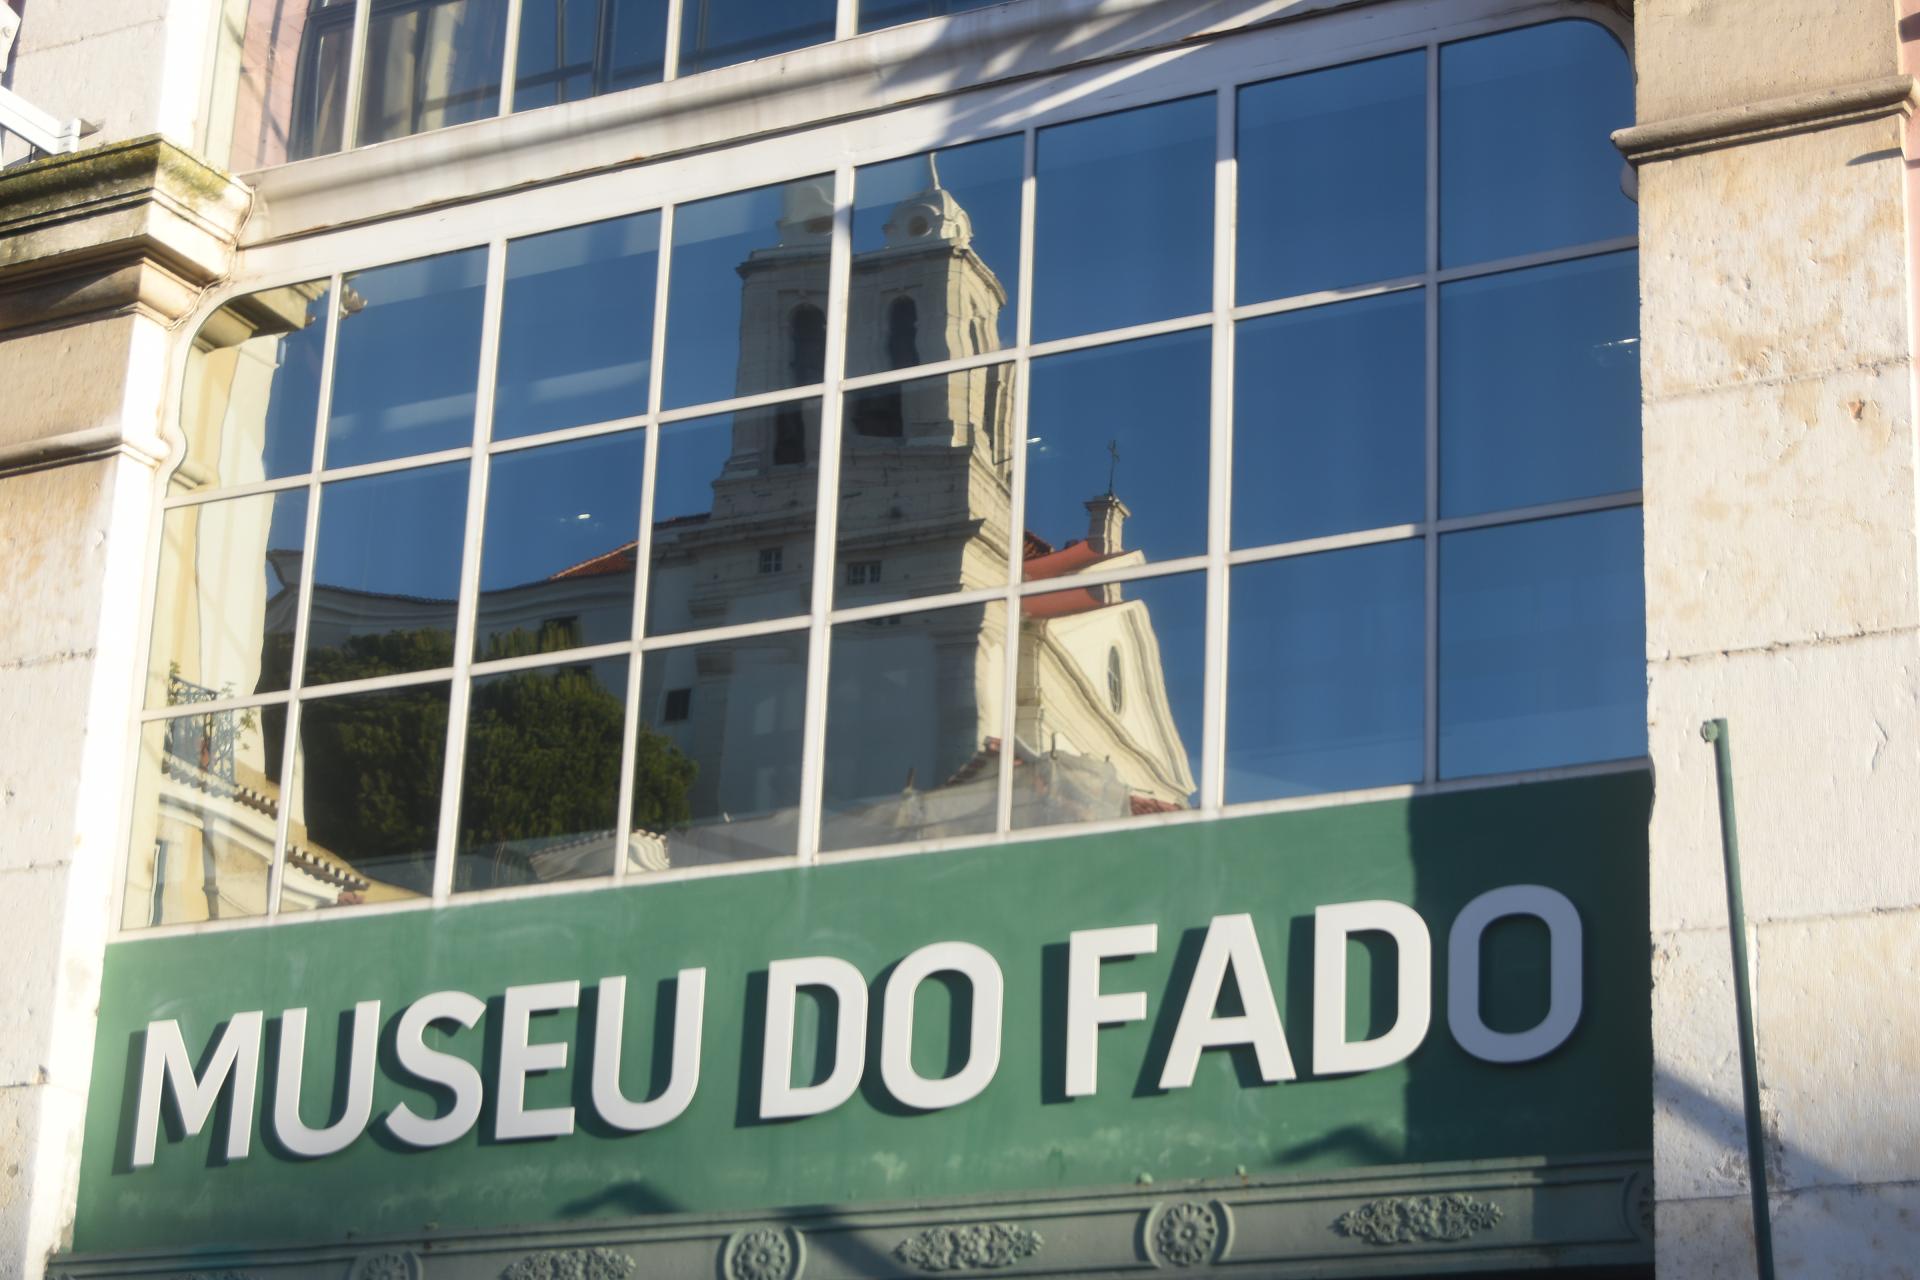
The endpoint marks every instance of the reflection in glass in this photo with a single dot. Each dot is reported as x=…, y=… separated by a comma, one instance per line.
x=733, y=504
x=1111, y=422
x=1333, y=178
x=557, y=560
x=1540, y=385
x=1123, y=230
x=228, y=590
x=936, y=257
x=1330, y=420
x=573, y=49
x=386, y=574
x=1527, y=160
x=252, y=393
x=925, y=476
x=366, y=798
x=875, y=14
x=430, y=64
x=1326, y=664
x=1108, y=718
x=914, y=727
x=576, y=327
x=749, y=296
x=542, y=775
x=285, y=70
x=205, y=809
x=717, y=776
x=719, y=33
x=1542, y=644
x=408, y=359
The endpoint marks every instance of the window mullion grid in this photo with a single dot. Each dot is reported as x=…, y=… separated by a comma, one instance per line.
x=297, y=660
x=1213, y=738
x=1016, y=446
x=827, y=510
x=510, y=57
x=670, y=66
x=1430, y=684
x=846, y=19
x=643, y=545
x=460, y=696
x=356, y=75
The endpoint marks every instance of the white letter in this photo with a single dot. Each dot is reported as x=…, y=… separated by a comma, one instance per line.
x=779, y=1097
x=1333, y=1053
x=293, y=1133
x=436, y=1066
x=983, y=1040
x=690, y=996
x=518, y=1060
x=1463, y=973
x=237, y=1055
x=1231, y=944
x=1087, y=1009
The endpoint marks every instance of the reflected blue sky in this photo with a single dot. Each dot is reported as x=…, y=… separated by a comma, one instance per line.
x=1542, y=644
x=571, y=50
x=875, y=14
x=1540, y=385
x=1332, y=178
x=1327, y=662
x=576, y=326
x=1149, y=399
x=718, y=33
x=293, y=405
x=1329, y=420
x=408, y=359
x=1526, y=156
x=1123, y=219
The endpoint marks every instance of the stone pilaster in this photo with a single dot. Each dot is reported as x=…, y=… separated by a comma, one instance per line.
x=1782, y=593
x=103, y=254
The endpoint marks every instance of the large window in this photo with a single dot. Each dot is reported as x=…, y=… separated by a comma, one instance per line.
x=1276, y=439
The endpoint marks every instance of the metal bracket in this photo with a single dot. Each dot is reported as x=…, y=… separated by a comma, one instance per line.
x=42, y=132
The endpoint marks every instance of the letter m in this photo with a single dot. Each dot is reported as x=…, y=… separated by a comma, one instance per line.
x=236, y=1056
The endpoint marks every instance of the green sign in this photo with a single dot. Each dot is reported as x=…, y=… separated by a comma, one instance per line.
x=1074, y=1012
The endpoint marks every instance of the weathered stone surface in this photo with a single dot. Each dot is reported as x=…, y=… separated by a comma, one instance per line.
x=1696, y=55
x=1699, y=1131
x=53, y=552
x=1847, y=1231
x=38, y=788
x=1826, y=754
x=1780, y=512
x=1704, y=1239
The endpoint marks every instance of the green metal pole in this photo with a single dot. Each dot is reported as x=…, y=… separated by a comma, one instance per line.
x=1715, y=732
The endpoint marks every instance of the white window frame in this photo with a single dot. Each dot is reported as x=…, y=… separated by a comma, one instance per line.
x=838, y=148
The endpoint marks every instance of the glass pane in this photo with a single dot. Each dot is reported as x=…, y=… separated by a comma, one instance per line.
x=408, y=361
x=733, y=518
x=1542, y=644
x=1123, y=227
x=386, y=574
x=289, y=95
x=1540, y=385
x=1333, y=178
x=224, y=608
x=206, y=805
x=717, y=773
x=576, y=326
x=1113, y=423
x=913, y=727
x=556, y=566
x=936, y=257
x=1330, y=420
x=875, y=14
x=1110, y=694
x=1326, y=671
x=719, y=33
x=925, y=487
x=252, y=391
x=573, y=49
x=366, y=798
x=1527, y=161
x=430, y=64
x=748, y=306
x=542, y=775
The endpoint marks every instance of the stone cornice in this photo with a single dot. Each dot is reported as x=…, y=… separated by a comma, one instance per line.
x=131, y=227
x=1757, y=121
